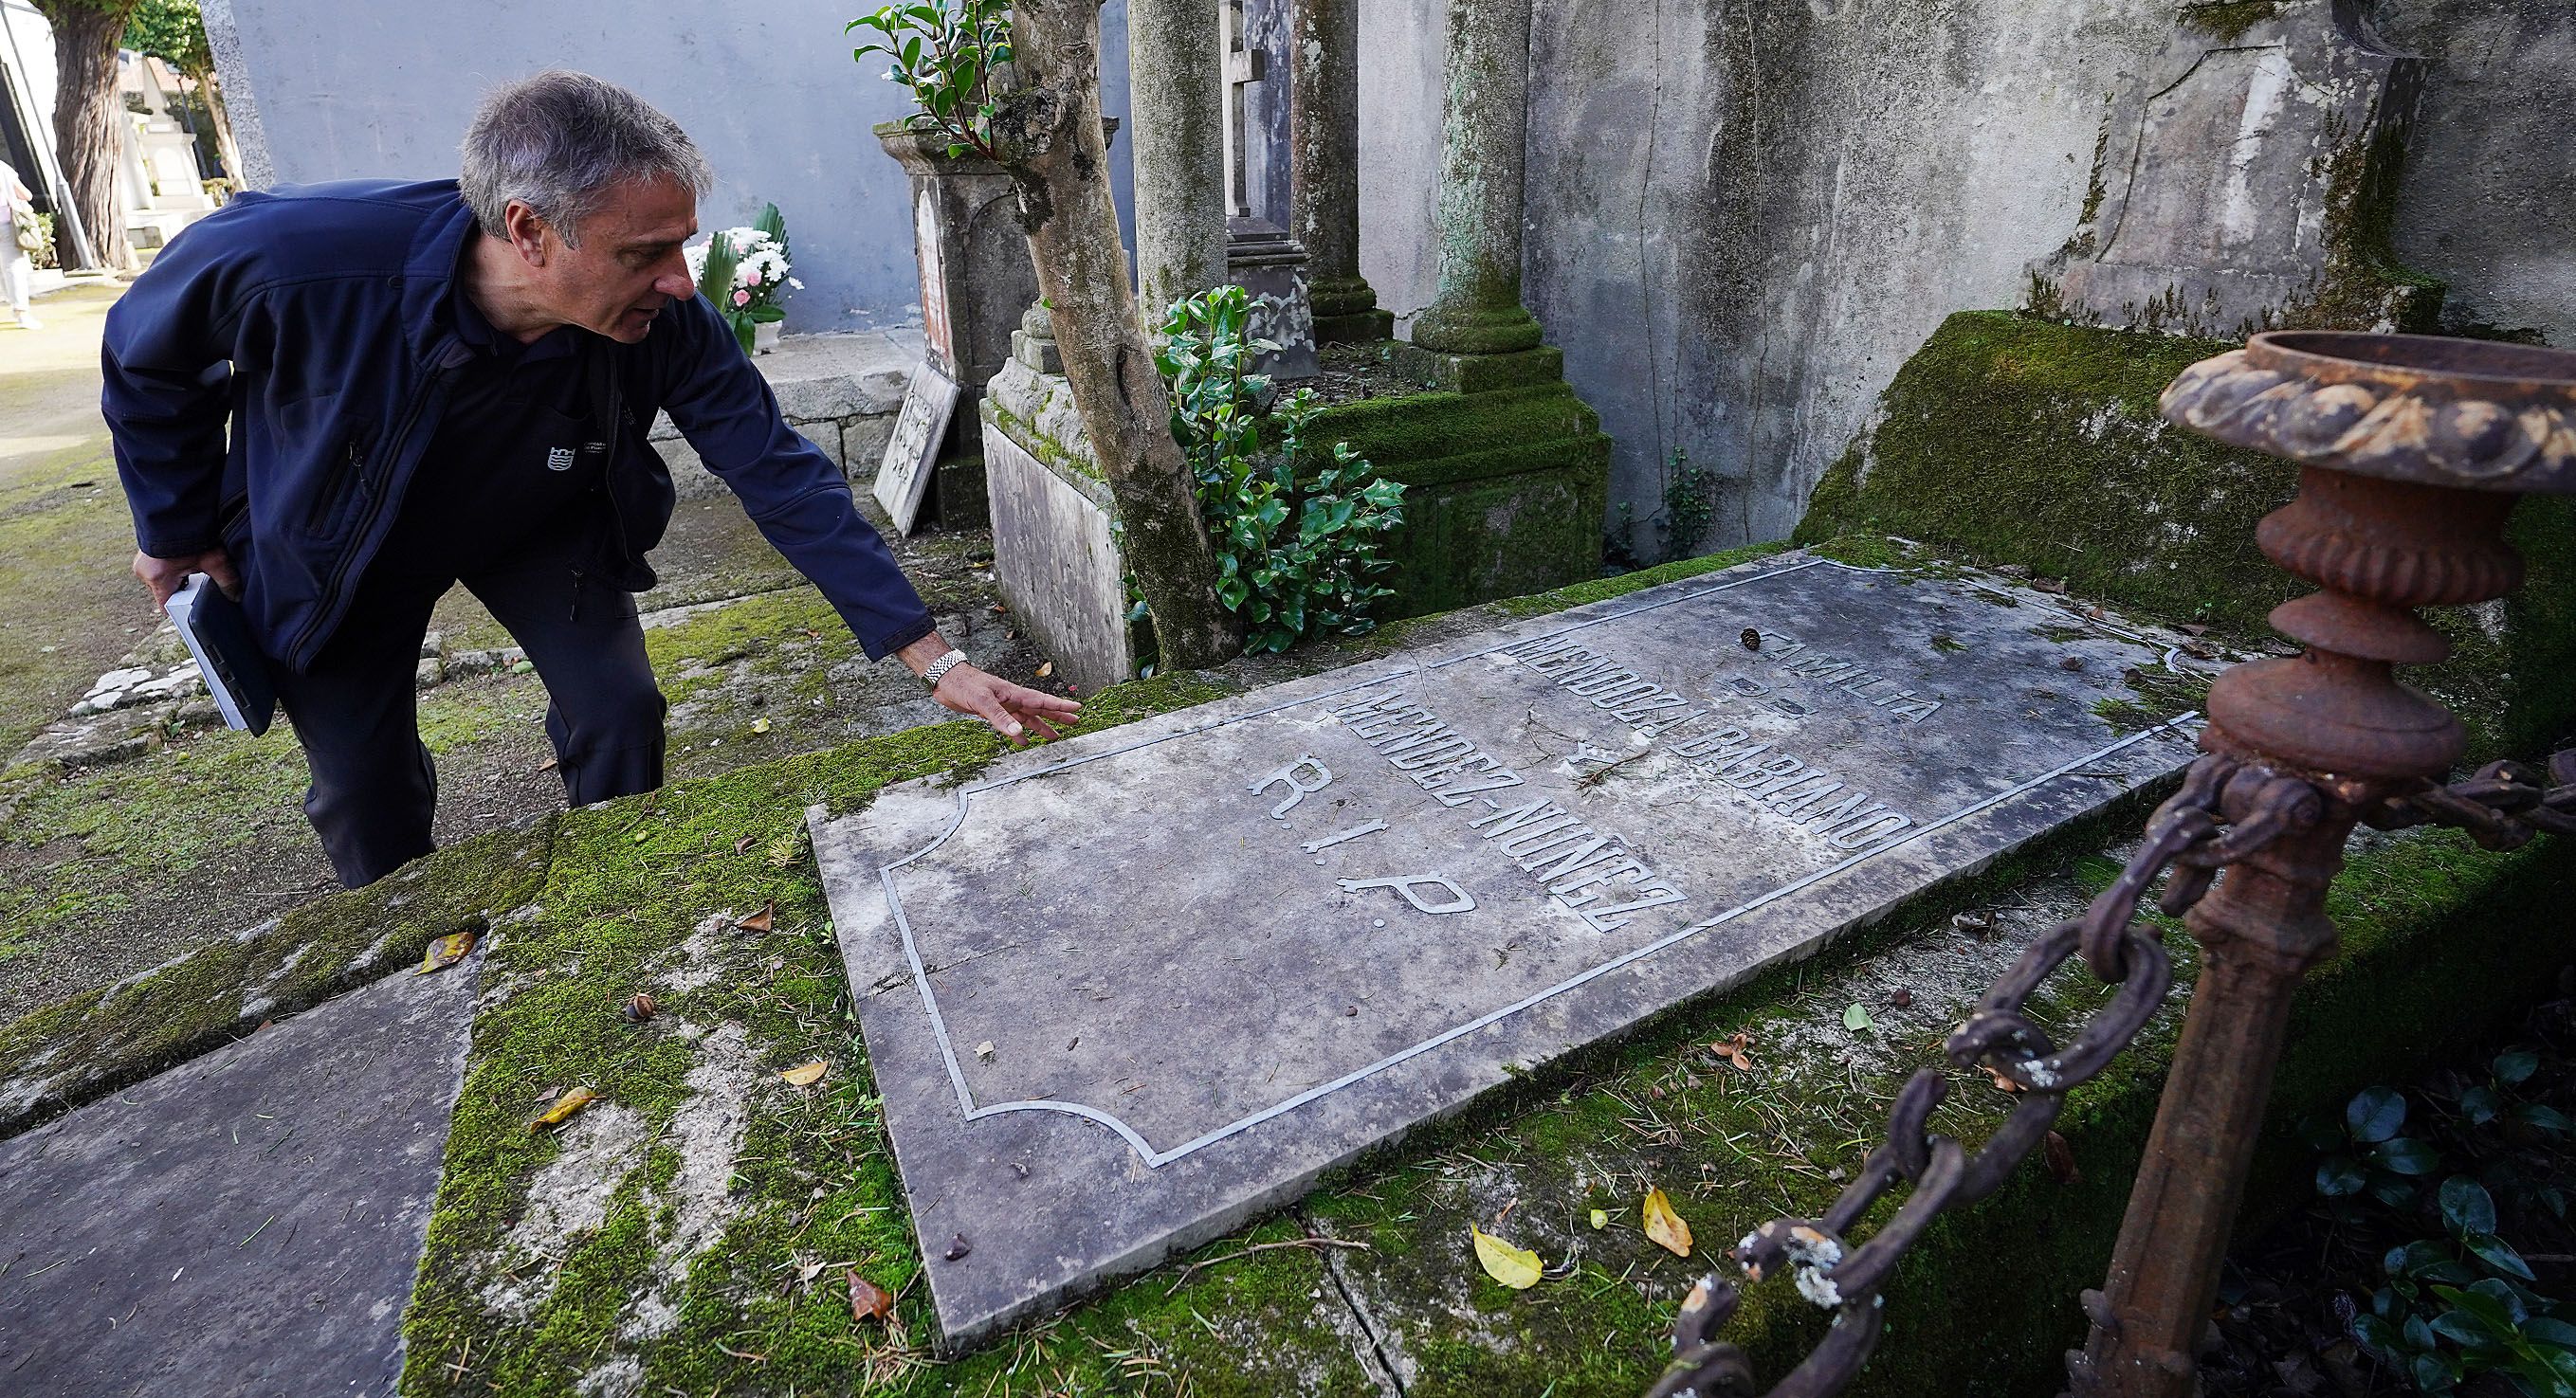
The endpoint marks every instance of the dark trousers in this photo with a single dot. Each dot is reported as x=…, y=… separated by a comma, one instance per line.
x=374, y=789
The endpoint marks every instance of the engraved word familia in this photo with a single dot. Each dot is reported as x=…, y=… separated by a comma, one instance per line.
x=1789, y=786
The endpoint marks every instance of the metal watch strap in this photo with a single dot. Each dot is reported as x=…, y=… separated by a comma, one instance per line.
x=941, y=667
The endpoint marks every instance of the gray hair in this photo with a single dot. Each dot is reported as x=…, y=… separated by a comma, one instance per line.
x=559, y=141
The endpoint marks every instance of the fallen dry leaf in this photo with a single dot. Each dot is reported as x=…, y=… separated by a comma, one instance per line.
x=2002, y=1083
x=547, y=766
x=1665, y=1226
x=761, y=921
x=869, y=1301
x=2061, y=1160
x=744, y=843
x=984, y=1050
x=445, y=952
x=1736, y=1049
x=1046, y=669
x=806, y=1074
x=958, y=1247
x=1517, y=1268
x=563, y=1108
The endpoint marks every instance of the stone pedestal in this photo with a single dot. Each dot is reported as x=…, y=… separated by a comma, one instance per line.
x=1267, y=263
x=1505, y=484
x=1055, y=539
x=976, y=278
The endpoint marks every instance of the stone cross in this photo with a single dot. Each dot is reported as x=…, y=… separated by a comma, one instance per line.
x=1244, y=66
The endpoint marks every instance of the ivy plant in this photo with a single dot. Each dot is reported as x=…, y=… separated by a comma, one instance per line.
x=1295, y=555
x=2464, y=1304
x=947, y=52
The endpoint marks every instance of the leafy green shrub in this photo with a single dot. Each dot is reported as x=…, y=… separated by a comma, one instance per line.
x=1294, y=556
x=945, y=51
x=2466, y=1303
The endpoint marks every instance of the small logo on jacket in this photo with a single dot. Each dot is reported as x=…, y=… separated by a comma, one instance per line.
x=559, y=458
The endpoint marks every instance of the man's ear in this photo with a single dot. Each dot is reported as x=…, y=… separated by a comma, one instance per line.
x=529, y=233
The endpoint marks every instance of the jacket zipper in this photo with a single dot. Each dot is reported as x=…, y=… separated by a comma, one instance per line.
x=614, y=427
x=353, y=473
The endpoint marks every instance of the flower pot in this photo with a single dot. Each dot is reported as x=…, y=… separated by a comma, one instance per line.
x=764, y=337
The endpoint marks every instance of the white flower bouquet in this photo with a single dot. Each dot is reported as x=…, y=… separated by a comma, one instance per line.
x=744, y=271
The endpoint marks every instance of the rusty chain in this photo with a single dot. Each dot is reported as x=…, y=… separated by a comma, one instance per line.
x=2501, y=807
x=2226, y=810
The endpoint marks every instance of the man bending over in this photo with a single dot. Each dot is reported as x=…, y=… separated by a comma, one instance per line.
x=444, y=382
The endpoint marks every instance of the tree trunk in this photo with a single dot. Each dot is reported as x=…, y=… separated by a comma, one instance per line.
x=88, y=119
x=223, y=120
x=1048, y=134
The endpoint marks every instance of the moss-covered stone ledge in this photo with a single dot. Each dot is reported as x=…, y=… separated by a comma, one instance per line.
x=87, y=1045
x=2016, y=440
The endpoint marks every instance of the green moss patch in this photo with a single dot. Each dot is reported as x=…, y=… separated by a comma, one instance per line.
x=2008, y=439
x=76, y=1050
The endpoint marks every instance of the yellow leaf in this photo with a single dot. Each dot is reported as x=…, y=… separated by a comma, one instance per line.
x=1046, y=669
x=1517, y=1268
x=806, y=1075
x=1600, y=1218
x=1665, y=1226
x=563, y=1108
x=445, y=952
x=760, y=725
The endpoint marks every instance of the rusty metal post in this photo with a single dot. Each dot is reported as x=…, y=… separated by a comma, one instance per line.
x=2412, y=450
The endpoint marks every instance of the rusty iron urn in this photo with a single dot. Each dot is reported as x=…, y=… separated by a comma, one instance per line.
x=2411, y=452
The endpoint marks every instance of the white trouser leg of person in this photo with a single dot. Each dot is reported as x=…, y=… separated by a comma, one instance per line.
x=17, y=276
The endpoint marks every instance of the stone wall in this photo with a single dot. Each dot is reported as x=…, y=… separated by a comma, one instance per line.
x=2492, y=174
x=1744, y=217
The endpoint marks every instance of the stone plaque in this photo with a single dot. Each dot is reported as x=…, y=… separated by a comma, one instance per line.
x=1123, y=992
x=903, y=477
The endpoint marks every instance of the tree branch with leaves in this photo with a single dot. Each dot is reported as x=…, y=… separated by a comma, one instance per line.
x=1020, y=86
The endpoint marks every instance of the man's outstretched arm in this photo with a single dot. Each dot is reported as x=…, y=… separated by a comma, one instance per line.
x=801, y=503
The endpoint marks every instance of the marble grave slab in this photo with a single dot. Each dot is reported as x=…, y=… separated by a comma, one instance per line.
x=1126, y=991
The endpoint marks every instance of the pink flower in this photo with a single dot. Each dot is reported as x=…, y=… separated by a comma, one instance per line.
x=741, y=297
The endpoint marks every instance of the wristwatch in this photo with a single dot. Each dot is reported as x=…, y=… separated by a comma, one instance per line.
x=942, y=666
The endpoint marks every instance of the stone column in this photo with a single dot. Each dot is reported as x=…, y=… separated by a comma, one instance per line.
x=1324, y=168
x=1484, y=125
x=1176, y=99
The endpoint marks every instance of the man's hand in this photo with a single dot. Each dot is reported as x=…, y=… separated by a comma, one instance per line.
x=1006, y=706
x=165, y=575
